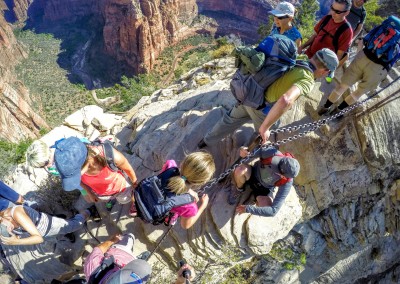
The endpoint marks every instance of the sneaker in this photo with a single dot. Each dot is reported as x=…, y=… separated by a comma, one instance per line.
x=94, y=214
x=133, y=210
x=144, y=255
x=201, y=144
x=234, y=195
x=110, y=204
x=70, y=237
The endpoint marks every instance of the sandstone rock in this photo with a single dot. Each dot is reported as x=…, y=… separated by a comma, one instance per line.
x=87, y=113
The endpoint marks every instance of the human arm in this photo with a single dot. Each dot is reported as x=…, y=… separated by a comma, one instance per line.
x=10, y=194
x=307, y=43
x=270, y=211
x=122, y=163
x=180, y=279
x=278, y=109
x=27, y=224
x=357, y=31
x=104, y=246
x=88, y=194
x=298, y=44
x=187, y=222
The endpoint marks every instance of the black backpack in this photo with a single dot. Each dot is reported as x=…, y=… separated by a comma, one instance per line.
x=108, y=149
x=340, y=30
x=154, y=200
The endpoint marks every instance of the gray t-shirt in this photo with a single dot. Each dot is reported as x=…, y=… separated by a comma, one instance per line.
x=356, y=16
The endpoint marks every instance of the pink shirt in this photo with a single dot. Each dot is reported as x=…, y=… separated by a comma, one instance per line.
x=95, y=258
x=106, y=182
x=188, y=210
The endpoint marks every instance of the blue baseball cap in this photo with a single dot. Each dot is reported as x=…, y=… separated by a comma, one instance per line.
x=69, y=156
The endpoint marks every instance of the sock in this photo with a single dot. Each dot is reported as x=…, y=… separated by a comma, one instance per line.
x=343, y=105
x=328, y=104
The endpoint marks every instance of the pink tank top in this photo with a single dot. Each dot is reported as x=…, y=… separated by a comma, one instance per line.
x=106, y=182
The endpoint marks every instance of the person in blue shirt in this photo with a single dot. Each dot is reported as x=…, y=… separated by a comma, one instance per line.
x=272, y=170
x=283, y=22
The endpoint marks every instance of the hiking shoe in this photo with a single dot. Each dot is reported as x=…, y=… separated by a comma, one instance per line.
x=70, y=237
x=201, y=144
x=234, y=195
x=110, y=204
x=335, y=111
x=94, y=214
x=144, y=255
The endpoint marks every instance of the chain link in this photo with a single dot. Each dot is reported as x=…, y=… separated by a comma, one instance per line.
x=312, y=125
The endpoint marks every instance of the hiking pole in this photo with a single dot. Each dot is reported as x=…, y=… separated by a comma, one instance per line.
x=159, y=242
x=90, y=233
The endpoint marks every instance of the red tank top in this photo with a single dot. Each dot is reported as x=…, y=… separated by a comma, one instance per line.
x=106, y=182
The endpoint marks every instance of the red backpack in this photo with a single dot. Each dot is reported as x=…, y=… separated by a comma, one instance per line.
x=267, y=162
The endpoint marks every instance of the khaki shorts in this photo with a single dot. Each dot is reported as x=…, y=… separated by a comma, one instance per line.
x=123, y=197
x=369, y=74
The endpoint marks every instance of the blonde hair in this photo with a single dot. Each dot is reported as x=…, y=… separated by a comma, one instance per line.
x=196, y=169
x=37, y=154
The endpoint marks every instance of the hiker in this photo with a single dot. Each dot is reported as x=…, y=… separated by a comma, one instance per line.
x=356, y=17
x=272, y=170
x=26, y=226
x=10, y=194
x=113, y=262
x=179, y=185
x=279, y=97
x=333, y=31
x=283, y=22
x=369, y=67
x=84, y=166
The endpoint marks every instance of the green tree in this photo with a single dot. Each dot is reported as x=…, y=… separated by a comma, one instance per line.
x=373, y=18
x=265, y=29
x=306, y=18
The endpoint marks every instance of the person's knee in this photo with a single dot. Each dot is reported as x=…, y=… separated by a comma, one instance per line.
x=242, y=171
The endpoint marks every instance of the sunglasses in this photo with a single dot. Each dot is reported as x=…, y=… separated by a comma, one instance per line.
x=282, y=17
x=337, y=11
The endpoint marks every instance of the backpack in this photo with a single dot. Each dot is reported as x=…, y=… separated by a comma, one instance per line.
x=108, y=150
x=267, y=161
x=382, y=43
x=106, y=265
x=280, y=56
x=335, y=37
x=154, y=200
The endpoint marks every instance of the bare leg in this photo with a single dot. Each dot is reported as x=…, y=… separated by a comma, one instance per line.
x=241, y=175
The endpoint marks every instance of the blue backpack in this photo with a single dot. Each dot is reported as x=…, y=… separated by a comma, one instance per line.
x=280, y=56
x=382, y=44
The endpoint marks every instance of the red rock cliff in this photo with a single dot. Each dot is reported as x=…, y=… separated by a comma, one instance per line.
x=137, y=31
x=17, y=119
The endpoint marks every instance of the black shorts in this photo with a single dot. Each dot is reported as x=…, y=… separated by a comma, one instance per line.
x=257, y=188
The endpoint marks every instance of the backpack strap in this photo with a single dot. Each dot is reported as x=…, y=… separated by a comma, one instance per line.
x=304, y=64
x=335, y=37
x=267, y=161
x=109, y=155
x=106, y=265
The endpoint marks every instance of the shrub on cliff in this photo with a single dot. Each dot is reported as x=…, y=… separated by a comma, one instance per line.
x=306, y=18
x=12, y=154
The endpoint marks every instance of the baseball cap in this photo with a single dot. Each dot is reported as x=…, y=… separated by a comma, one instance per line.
x=135, y=272
x=69, y=156
x=283, y=9
x=329, y=59
x=287, y=166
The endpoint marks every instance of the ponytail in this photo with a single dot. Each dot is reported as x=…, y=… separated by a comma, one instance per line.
x=196, y=169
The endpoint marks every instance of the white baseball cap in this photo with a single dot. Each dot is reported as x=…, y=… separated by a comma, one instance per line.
x=283, y=9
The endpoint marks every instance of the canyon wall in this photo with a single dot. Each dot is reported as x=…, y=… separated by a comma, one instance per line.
x=17, y=119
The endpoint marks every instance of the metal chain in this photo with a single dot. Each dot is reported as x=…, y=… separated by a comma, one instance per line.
x=312, y=125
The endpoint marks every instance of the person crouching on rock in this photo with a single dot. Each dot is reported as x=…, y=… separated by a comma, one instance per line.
x=172, y=193
x=272, y=170
x=83, y=166
x=22, y=225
